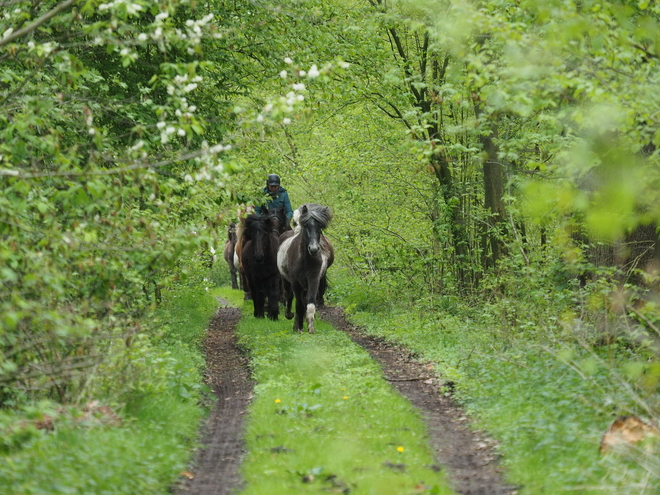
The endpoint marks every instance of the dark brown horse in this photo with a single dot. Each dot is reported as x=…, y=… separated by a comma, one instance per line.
x=259, y=259
x=230, y=254
x=303, y=260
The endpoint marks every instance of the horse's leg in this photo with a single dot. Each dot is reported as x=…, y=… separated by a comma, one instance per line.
x=300, y=307
x=288, y=298
x=257, y=299
x=274, y=298
x=313, y=284
x=323, y=285
x=246, y=286
x=234, y=281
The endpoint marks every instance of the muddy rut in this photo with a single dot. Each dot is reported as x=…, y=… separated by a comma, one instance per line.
x=468, y=456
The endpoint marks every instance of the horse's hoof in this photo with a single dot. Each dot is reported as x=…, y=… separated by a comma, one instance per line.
x=288, y=316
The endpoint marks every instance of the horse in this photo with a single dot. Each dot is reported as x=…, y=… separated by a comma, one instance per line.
x=303, y=259
x=259, y=259
x=279, y=225
x=230, y=253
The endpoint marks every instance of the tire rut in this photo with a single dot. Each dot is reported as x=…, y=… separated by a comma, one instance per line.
x=215, y=469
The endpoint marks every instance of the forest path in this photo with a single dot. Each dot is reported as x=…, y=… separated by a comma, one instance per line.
x=469, y=458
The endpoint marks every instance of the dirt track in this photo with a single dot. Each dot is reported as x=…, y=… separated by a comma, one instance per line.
x=215, y=470
x=469, y=457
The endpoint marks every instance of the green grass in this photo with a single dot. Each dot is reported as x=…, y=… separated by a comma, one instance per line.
x=323, y=419
x=548, y=418
x=160, y=420
x=235, y=297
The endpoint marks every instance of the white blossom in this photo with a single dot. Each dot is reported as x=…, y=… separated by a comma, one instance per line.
x=283, y=74
x=288, y=61
x=313, y=72
x=286, y=121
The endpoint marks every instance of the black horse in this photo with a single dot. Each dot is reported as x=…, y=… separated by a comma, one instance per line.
x=279, y=224
x=303, y=259
x=259, y=260
x=230, y=253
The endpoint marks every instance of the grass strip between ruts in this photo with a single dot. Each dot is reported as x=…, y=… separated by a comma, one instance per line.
x=324, y=420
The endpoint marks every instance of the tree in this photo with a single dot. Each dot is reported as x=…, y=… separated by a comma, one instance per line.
x=111, y=166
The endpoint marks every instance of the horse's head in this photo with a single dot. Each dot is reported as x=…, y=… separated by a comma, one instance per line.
x=278, y=221
x=257, y=230
x=231, y=232
x=313, y=219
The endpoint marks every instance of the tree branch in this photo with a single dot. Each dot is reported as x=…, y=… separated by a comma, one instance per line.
x=31, y=27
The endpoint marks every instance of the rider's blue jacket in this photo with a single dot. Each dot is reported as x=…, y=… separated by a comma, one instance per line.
x=279, y=200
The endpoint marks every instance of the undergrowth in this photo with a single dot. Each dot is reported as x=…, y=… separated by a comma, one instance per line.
x=134, y=431
x=324, y=420
x=531, y=367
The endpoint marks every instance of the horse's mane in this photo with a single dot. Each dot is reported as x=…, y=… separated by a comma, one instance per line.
x=255, y=222
x=320, y=213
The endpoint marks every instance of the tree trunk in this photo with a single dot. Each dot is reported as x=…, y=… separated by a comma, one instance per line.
x=493, y=171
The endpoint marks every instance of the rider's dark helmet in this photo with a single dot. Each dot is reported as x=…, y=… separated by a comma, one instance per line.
x=273, y=180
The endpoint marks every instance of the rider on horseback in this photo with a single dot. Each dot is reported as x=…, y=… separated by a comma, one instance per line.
x=278, y=197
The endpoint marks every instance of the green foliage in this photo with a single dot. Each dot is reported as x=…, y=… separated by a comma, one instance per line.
x=117, y=123
x=298, y=436
x=145, y=455
x=138, y=434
